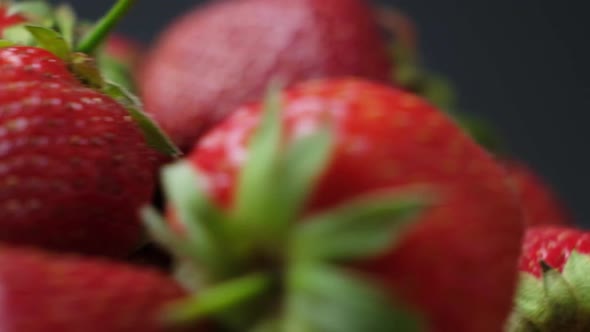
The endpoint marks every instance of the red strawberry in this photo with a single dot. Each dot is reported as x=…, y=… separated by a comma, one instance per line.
x=553, y=294
x=456, y=265
x=45, y=293
x=74, y=165
x=539, y=203
x=216, y=58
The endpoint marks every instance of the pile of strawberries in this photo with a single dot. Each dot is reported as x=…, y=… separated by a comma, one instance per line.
x=289, y=166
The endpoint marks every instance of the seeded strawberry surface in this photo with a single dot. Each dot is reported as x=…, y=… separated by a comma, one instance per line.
x=457, y=265
x=74, y=167
x=41, y=292
x=552, y=245
x=215, y=58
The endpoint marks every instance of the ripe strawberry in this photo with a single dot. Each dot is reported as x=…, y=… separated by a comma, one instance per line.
x=215, y=58
x=540, y=205
x=553, y=294
x=47, y=293
x=74, y=165
x=456, y=265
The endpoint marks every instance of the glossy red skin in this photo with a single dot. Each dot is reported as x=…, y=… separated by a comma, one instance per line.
x=458, y=264
x=215, y=58
x=40, y=292
x=74, y=167
x=552, y=244
x=540, y=204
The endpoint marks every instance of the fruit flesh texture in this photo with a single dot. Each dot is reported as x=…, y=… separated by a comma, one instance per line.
x=218, y=57
x=74, y=167
x=540, y=205
x=44, y=293
x=552, y=244
x=457, y=264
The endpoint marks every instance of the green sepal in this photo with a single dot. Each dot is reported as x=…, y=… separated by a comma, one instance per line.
x=326, y=299
x=116, y=71
x=65, y=20
x=86, y=70
x=18, y=34
x=154, y=136
x=6, y=43
x=577, y=273
x=217, y=299
x=161, y=233
x=360, y=228
x=557, y=301
x=255, y=194
x=51, y=40
x=561, y=300
x=205, y=225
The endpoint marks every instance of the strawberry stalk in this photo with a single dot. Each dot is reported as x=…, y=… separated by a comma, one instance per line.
x=94, y=38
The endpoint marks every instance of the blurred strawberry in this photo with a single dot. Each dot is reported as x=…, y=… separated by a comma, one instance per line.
x=217, y=57
x=49, y=293
x=465, y=248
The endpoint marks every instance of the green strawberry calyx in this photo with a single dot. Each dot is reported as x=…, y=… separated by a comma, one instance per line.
x=58, y=31
x=262, y=265
x=558, y=301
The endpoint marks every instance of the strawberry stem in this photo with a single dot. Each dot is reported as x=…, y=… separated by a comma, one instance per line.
x=100, y=31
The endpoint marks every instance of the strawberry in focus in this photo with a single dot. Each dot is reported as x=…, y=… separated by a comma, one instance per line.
x=540, y=204
x=220, y=56
x=465, y=249
x=553, y=294
x=49, y=293
x=76, y=156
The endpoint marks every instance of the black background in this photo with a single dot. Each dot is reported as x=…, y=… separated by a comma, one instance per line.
x=521, y=63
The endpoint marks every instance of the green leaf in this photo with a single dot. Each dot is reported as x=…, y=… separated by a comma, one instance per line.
x=326, y=299
x=115, y=71
x=577, y=271
x=531, y=303
x=18, y=34
x=31, y=9
x=154, y=136
x=301, y=167
x=360, y=228
x=6, y=43
x=205, y=224
x=257, y=184
x=561, y=300
x=161, y=233
x=65, y=19
x=215, y=300
x=51, y=40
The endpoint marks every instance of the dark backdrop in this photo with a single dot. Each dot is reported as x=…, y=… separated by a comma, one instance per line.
x=523, y=64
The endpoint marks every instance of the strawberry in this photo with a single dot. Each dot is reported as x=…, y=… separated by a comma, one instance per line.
x=540, y=204
x=75, y=160
x=553, y=294
x=217, y=57
x=455, y=264
x=49, y=293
